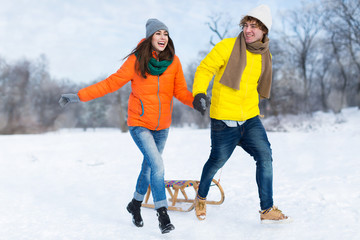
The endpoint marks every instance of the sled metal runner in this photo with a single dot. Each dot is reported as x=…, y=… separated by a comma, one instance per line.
x=175, y=186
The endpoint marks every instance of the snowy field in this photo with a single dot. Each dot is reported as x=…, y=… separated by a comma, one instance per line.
x=72, y=184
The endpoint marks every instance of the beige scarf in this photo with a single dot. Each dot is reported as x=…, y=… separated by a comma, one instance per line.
x=237, y=62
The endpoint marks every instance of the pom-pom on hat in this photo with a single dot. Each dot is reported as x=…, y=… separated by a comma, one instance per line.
x=153, y=25
x=262, y=13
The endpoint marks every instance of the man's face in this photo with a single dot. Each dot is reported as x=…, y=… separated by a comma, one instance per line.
x=252, y=32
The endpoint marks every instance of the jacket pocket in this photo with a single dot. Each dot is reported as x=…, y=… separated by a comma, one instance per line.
x=142, y=108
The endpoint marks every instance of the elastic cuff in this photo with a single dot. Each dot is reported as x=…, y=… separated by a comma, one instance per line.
x=266, y=211
x=201, y=198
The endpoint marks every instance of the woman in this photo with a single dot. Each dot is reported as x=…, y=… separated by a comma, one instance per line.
x=156, y=77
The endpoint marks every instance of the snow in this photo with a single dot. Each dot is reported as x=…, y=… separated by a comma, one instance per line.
x=72, y=184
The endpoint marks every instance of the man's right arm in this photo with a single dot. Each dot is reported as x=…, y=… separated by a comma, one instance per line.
x=209, y=66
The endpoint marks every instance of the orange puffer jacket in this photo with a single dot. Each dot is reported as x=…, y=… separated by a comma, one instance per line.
x=151, y=100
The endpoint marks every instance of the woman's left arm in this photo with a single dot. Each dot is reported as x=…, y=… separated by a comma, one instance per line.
x=181, y=91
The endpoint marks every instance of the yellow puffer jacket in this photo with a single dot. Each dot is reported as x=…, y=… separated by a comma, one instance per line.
x=228, y=103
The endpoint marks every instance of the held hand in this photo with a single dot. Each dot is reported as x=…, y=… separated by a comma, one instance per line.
x=201, y=102
x=68, y=98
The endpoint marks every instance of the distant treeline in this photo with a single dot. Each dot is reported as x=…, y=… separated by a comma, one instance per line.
x=316, y=67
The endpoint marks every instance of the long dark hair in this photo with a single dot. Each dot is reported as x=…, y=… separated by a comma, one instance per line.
x=143, y=53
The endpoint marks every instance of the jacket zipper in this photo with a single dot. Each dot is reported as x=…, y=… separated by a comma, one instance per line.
x=158, y=94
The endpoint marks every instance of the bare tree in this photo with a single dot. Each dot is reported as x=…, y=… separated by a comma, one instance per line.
x=342, y=23
x=322, y=73
x=15, y=83
x=43, y=91
x=220, y=26
x=301, y=27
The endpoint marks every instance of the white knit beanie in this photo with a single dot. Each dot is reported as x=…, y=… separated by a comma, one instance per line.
x=262, y=13
x=153, y=25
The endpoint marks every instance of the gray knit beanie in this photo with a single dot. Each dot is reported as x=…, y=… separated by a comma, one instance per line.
x=153, y=25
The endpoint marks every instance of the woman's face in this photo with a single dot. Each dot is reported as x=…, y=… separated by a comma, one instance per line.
x=160, y=40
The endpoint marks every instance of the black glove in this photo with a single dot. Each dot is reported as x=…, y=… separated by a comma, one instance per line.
x=68, y=98
x=201, y=102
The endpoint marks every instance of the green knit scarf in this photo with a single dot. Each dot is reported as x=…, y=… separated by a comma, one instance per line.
x=158, y=67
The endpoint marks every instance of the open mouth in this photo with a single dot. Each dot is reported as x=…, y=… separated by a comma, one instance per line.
x=161, y=44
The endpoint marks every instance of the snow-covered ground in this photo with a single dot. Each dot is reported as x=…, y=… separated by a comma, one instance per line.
x=75, y=185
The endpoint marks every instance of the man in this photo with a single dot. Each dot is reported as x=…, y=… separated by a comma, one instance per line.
x=243, y=74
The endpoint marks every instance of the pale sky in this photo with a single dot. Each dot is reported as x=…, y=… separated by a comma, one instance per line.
x=87, y=39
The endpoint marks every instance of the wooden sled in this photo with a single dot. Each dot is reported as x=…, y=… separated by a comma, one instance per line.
x=174, y=186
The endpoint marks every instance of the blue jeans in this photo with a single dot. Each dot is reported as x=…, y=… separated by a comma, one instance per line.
x=151, y=144
x=251, y=136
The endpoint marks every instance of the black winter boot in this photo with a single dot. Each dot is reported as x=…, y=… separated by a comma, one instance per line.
x=164, y=220
x=134, y=208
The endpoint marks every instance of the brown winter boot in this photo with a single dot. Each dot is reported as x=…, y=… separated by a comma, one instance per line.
x=273, y=215
x=200, y=208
